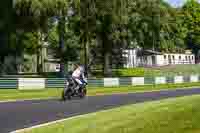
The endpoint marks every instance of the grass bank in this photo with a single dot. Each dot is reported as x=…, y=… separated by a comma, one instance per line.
x=178, y=115
x=171, y=70
x=9, y=94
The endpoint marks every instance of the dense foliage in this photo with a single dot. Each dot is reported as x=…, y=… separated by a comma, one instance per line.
x=101, y=26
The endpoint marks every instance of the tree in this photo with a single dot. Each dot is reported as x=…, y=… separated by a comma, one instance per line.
x=108, y=18
x=36, y=13
x=172, y=32
x=154, y=24
x=191, y=11
x=5, y=28
x=71, y=47
x=144, y=22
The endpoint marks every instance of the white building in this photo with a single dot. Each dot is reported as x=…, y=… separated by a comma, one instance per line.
x=131, y=59
x=150, y=58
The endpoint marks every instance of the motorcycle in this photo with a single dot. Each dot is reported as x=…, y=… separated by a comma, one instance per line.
x=70, y=90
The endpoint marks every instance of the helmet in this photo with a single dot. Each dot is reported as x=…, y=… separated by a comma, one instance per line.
x=82, y=68
x=76, y=65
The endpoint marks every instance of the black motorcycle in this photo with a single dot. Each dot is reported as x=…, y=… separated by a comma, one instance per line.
x=70, y=90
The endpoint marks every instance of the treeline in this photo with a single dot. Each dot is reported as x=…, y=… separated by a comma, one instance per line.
x=98, y=30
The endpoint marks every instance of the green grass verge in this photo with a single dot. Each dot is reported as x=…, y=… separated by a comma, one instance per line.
x=132, y=72
x=6, y=94
x=178, y=115
x=173, y=70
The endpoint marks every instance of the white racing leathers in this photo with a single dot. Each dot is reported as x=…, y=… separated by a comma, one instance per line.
x=78, y=76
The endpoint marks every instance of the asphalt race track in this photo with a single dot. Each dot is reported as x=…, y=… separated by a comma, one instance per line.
x=18, y=115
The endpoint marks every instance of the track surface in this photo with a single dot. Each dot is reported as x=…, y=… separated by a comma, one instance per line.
x=18, y=115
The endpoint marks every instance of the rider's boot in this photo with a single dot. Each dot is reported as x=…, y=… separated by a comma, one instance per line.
x=77, y=88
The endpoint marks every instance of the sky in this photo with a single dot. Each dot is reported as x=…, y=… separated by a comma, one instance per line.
x=177, y=3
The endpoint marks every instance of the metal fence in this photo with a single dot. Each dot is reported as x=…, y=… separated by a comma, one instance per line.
x=34, y=83
x=59, y=82
x=8, y=83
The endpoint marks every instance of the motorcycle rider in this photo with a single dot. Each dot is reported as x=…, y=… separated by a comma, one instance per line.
x=78, y=76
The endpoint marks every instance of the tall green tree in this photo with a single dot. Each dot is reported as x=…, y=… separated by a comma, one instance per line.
x=111, y=20
x=6, y=20
x=172, y=33
x=191, y=11
x=144, y=23
x=71, y=47
x=102, y=21
x=37, y=13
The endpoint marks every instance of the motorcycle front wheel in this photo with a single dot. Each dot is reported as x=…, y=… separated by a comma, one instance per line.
x=83, y=93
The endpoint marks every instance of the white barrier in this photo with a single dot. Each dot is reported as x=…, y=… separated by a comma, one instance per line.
x=111, y=81
x=31, y=83
x=39, y=83
x=194, y=78
x=178, y=79
x=138, y=81
x=160, y=80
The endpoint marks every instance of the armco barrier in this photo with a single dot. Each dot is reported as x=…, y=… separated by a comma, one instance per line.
x=160, y=80
x=111, y=82
x=31, y=83
x=59, y=82
x=125, y=81
x=170, y=79
x=8, y=83
x=149, y=80
x=54, y=83
x=96, y=82
x=41, y=83
x=138, y=81
x=194, y=78
x=178, y=79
